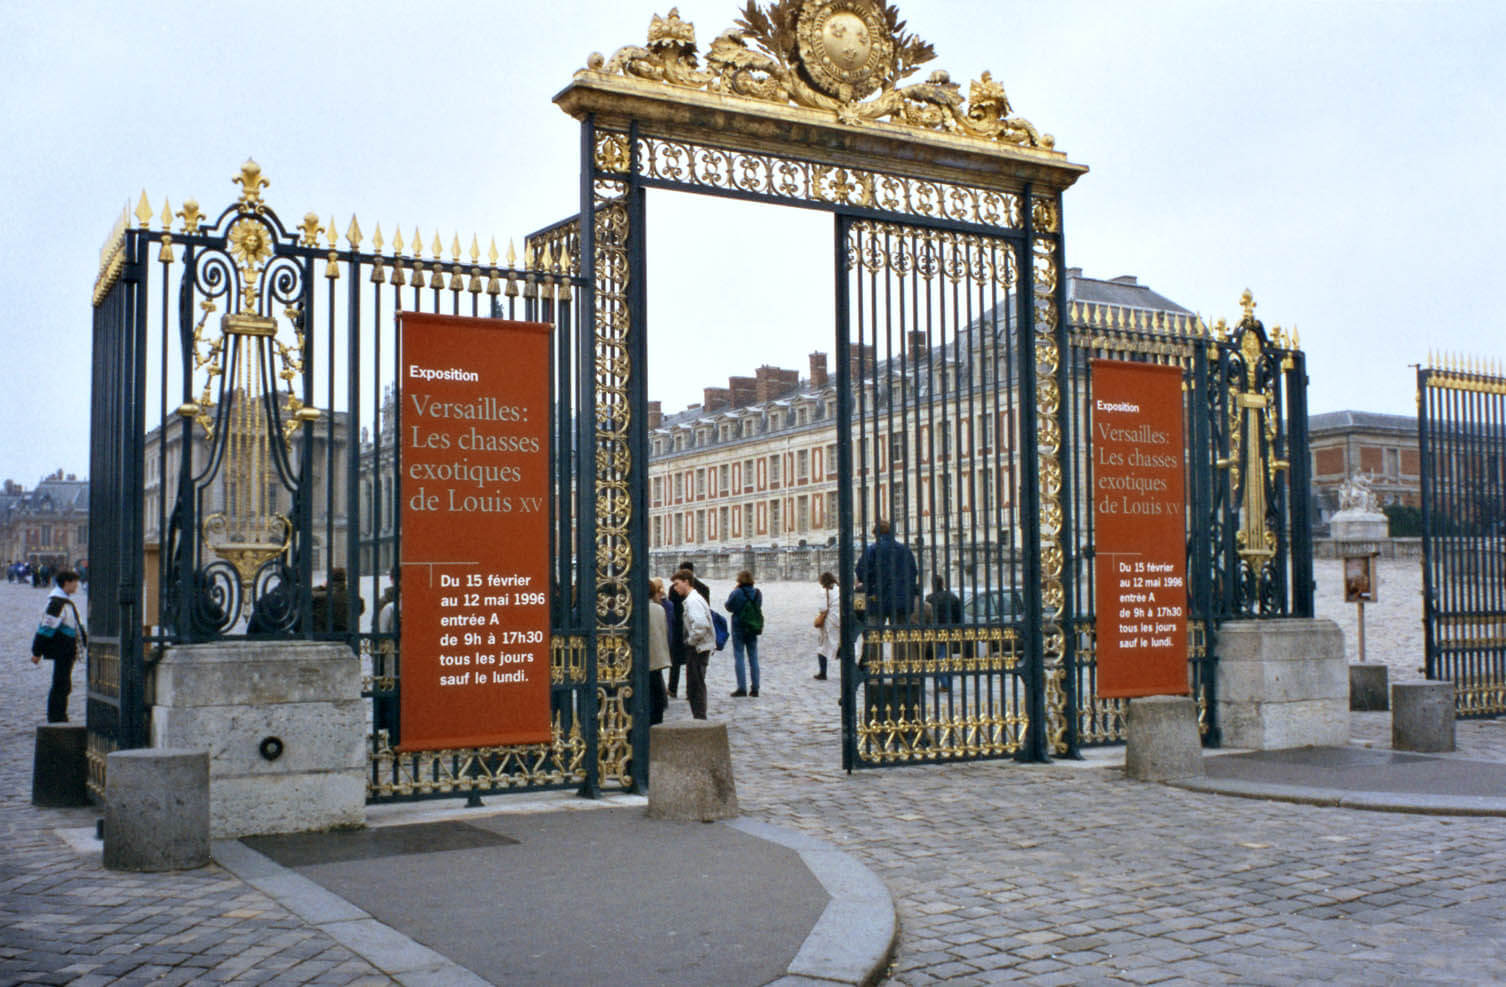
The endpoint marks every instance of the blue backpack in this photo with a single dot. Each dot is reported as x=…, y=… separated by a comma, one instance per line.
x=720, y=624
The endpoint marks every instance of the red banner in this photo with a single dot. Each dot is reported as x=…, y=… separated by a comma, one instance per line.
x=1140, y=533
x=474, y=423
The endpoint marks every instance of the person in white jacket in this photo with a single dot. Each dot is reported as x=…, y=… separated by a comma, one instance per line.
x=700, y=639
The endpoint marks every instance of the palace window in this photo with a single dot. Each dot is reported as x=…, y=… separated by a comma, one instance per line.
x=773, y=471
x=803, y=464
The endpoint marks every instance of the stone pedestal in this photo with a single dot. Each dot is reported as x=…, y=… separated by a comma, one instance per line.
x=690, y=772
x=1282, y=683
x=1161, y=739
x=1422, y=716
x=1368, y=690
x=1356, y=525
x=60, y=766
x=156, y=809
x=284, y=725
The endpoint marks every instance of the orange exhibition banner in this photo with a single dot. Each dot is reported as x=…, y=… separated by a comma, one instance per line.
x=1139, y=529
x=474, y=459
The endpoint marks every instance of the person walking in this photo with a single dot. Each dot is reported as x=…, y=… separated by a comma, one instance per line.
x=828, y=623
x=659, y=610
x=700, y=638
x=57, y=639
x=746, y=607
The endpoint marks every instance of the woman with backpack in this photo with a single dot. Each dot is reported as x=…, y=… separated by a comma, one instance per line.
x=746, y=607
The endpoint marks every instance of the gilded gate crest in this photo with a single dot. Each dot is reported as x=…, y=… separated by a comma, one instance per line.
x=830, y=55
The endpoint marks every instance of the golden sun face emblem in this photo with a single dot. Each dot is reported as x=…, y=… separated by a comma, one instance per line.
x=249, y=243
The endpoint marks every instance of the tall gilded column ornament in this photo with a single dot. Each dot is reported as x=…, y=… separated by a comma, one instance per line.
x=241, y=409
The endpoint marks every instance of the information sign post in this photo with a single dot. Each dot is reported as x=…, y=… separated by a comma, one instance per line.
x=474, y=422
x=1139, y=520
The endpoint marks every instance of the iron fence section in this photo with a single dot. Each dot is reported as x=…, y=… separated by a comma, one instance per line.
x=244, y=449
x=1249, y=546
x=1461, y=429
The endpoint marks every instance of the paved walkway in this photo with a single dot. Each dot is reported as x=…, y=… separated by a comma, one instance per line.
x=1058, y=873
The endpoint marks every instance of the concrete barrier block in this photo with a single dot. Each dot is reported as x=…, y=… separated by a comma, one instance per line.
x=1422, y=716
x=1368, y=692
x=255, y=673
x=690, y=772
x=1161, y=739
x=1282, y=683
x=60, y=766
x=156, y=809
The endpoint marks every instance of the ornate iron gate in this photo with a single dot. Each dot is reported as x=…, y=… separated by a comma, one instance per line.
x=1461, y=432
x=946, y=212
x=935, y=397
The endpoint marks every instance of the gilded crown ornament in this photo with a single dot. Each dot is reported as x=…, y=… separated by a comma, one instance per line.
x=847, y=57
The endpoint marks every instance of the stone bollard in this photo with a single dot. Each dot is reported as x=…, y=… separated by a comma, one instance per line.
x=1422, y=716
x=60, y=767
x=1367, y=687
x=690, y=772
x=1161, y=739
x=156, y=809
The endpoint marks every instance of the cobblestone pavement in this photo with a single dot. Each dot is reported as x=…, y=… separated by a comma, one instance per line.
x=1059, y=873
x=64, y=919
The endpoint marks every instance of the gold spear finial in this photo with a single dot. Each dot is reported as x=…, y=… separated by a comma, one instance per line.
x=353, y=233
x=475, y=249
x=143, y=211
x=397, y=241
x=491, y=255
x=376, y=239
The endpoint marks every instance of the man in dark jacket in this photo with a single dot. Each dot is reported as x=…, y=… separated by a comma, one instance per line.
x=888, y=573
x=57, y=639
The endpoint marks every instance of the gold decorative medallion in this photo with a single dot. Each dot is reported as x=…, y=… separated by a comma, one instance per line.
x=845, y=47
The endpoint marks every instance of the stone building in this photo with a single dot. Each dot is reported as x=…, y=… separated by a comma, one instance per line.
x=48, y=525
x=748, y=477
x=1349, y=443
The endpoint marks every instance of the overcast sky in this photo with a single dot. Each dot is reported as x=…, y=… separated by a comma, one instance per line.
x=1339, y=159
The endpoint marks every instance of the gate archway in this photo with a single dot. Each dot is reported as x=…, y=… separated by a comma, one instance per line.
x=950, y=346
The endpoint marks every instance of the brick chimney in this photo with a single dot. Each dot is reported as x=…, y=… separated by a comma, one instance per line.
x=716, y=398
x=744, y=391
x=655, y=414
x=860, y=361
x=818, y=370
x=774, y=382
x=918, y=349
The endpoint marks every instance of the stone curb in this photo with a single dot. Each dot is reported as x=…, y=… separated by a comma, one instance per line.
x=1343, y=798
x=382, y=946
x=856, y=935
